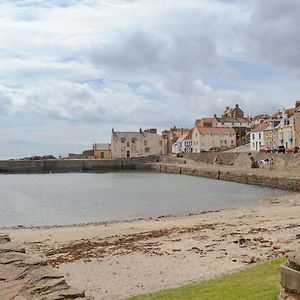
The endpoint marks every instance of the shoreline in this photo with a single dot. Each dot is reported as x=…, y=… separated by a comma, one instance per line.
x=146, y=255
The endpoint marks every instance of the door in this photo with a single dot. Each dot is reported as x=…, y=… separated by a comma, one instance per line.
x=128, y=154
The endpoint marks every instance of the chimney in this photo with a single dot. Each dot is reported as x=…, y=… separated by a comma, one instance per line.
x=141, y=131
x=236, y=105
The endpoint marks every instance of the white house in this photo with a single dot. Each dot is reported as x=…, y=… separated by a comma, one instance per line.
x=257, y=139
x=183, y=144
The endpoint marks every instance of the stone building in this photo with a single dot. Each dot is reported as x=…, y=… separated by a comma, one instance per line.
x=136, y=144
x=233, y=112
x=271, y=134
x=285, y=130
x=212, y=138
x=297, y=123
x=102, y=151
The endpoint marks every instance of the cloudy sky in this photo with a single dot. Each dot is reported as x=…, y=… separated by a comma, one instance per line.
x=70, y=70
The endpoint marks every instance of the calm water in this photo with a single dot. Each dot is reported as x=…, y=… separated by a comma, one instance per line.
x=46, y=199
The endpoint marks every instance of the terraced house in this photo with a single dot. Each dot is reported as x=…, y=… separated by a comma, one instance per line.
x=205, y=138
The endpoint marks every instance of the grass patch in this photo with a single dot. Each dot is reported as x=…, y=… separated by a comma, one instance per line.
x=260, y=282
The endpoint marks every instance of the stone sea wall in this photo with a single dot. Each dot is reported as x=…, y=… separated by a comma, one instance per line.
x=281, y=161
x=234, y=175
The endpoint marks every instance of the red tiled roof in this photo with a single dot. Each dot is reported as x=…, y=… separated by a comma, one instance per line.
x=215, y=130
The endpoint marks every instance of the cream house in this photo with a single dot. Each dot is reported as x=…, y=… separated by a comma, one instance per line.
x=208, y=138
x=136, y=144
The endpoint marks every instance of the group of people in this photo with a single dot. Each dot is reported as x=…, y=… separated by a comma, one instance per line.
x=260, y=163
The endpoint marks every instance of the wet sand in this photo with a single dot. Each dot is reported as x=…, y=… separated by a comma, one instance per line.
x=119, y=259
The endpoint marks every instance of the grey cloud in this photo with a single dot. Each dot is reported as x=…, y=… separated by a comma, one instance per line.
x=272, y=34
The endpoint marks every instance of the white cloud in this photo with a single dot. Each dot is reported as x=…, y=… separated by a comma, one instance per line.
x=82, y=67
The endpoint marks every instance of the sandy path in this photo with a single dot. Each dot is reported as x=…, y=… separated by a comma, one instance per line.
x=116, y=260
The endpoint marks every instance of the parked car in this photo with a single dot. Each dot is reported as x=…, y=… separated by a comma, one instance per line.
x=274, y=150
x=293, y=150
x=265, y=149
x=281, y=149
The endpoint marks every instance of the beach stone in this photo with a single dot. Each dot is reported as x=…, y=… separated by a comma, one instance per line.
x=11, y=247
x=12, y=257
x=4, y=238
x=12, y=272
x=35, y=260
x=10, y=290
x=290, y=279
x=66, y=294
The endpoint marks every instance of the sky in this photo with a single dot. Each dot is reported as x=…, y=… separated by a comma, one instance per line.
x=71, y=70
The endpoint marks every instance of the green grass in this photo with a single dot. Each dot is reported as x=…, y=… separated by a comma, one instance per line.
x=260, y=282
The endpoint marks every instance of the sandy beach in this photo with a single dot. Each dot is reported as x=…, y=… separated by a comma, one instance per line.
x=119, y=259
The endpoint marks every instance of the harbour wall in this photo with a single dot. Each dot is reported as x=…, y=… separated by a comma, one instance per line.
x=281, y=161
x=78, y=165
x=286, y=183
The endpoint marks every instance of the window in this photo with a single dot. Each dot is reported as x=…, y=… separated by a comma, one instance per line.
x=123, y=140
x=160, y=143
x=145, y=143
x=133, y=140
x=259, y=136
x=128, y=144
x=253, y=136
x=122, y=149
x=147, y=150
x=102, y=154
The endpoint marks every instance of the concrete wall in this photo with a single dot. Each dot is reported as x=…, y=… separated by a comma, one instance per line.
x=282, y=161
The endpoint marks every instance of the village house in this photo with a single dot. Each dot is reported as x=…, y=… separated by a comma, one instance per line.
x=102, y=151
x=285, y=129
x=233, y=112
x=136, y=144
x=257, y=136
x=183, y=144
x=297, y=123
x=170, y=137
x=206, y=138
x=271, y=134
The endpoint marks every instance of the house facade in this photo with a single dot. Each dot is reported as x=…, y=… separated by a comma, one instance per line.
x=136, y=144
x=271, y=134
x=285, y=129
x=212, y=138
x=171, y=135
x=102, y=151
x=257, y=136
x=233, y=112
x=183, y=144
x=297, y=123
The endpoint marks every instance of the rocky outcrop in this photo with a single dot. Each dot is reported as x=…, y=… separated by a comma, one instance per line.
x=290, y=278
x=26, y=277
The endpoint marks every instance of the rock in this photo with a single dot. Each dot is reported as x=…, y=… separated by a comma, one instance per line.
x=11, y=247
x=12, y=257
x=10, y=272
x=66, y=294
x=10, y=290
x=4, y=238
